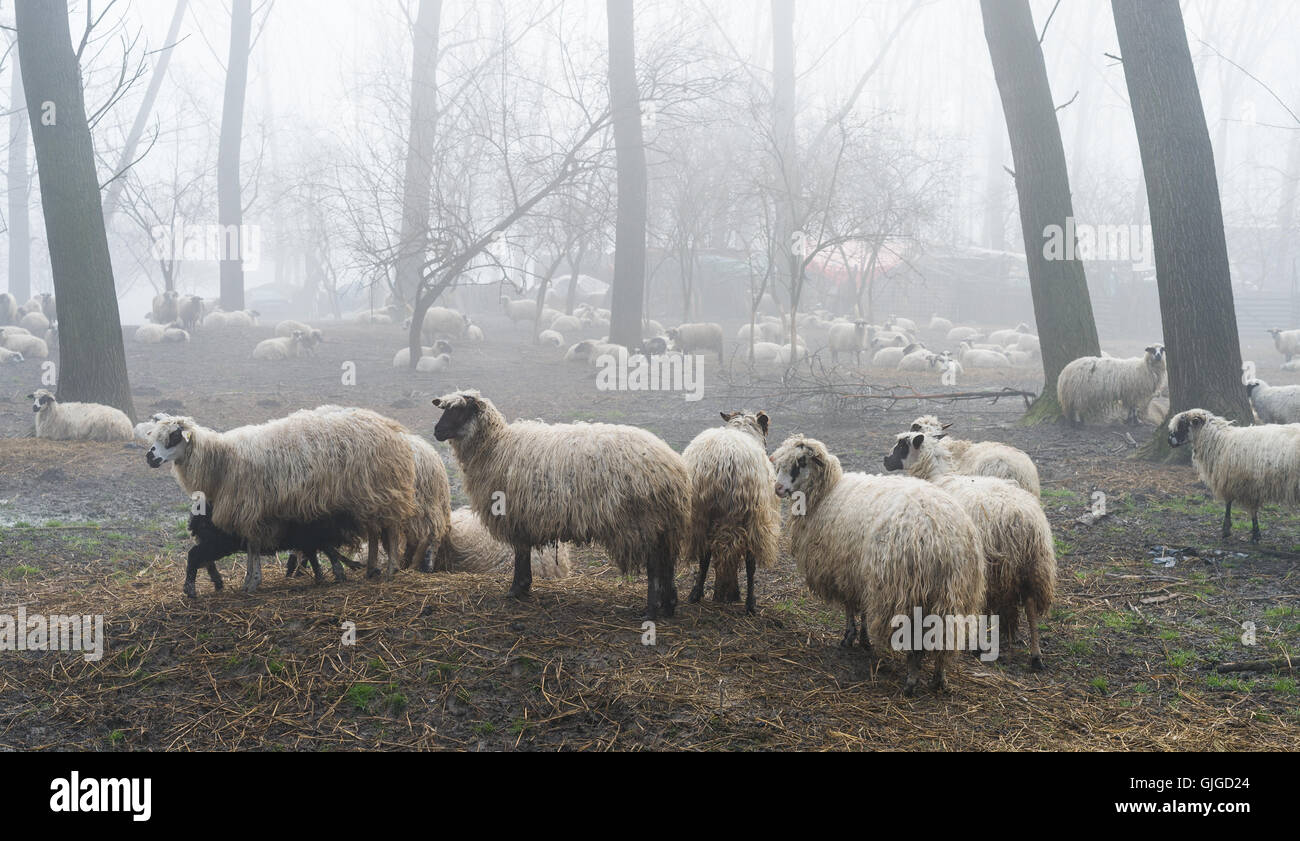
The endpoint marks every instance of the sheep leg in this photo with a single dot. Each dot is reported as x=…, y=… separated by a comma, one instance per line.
x=191, y=569
x=215, y=576
x=372, y=557
x=667, y=594
x=523, y=580
x=937, y=683
x=390, y=559
x=913, y=672
x=316, y=570
x=749, y=583
x=337, y=562
x=862, y=637
x=1254, y=527
x=850, y=630
x=1227, y=518
x=697, y=592
x=1035, y=654
x=253, y=578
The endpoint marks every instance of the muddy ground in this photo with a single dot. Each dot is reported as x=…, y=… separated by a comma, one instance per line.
x=447, y=661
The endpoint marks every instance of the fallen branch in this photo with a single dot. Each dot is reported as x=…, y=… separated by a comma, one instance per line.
x=1276, y=664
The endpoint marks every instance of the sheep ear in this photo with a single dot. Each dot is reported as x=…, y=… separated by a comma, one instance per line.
x=186, y=434
x=437, y=401
x=917, y=441
x=31, y=397
x=763, y=421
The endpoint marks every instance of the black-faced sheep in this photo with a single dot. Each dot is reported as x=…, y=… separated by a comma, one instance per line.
x=734, y=517
x=1019, y=553
x=533, y=483
x=310, y=466
x=1090, y=386
x=1252, y=465
x=880, y=546
x=470, y=547
x=1274, y=403
x=78, y=421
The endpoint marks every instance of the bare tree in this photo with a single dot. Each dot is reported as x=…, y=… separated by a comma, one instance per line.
x=230, y=210
x=630, y=238
x=20, y=246
x=420, y=150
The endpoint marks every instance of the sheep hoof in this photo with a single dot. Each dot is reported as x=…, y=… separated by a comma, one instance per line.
x=519, y=591
x=697, y=593
x=937, y=684
x=340, y=577
x=1036, y=663
x=847, y=641
x=909, y=688
x=192, y=591
x=373, y=574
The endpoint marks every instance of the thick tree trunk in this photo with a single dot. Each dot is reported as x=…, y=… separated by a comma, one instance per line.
x=230, y=211
x=785, y=172
x=92, y=361
x=1196, y=306
x=630, y=231
x=20, y=235
x=418, y=178
x=1062, y=308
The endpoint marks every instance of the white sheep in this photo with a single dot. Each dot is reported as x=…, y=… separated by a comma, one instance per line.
x=78, y=421
x=35, y=322
x=443, y=321
x=433, y=364
x=972, y=357
x=517, y=311
x=281, y=347
x=702, y=336
x=550, y=337
x=1019, y=553
x=768, y=353
x=310, y=335
x=189, y=311
x=848, y=338
x=565, y=324
x=31, y=347
x=982, y=458
x=962, y=334
x=1090, y=386
x=918, y=359
x=9, y=356
x=470, y=547
x=939, y=324
x=905, y=323
x=425, y=533
x=1274, y=403
x=533, y=484
x=1010, y=336
x=735, y=518
x=889, y=357
x=1252, y=465
x=8, y=309
x=149, y=334
x=1287, y=342
x=165, y=307
x=474, y=334
x=880, y=547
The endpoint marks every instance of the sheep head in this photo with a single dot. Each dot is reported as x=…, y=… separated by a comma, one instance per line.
x=1184, y=426
x=41, y=399
x=798, y=462
x=928, y=423
x=908, y=446
x=755, y=423
x=460, y=414
x=169, y=440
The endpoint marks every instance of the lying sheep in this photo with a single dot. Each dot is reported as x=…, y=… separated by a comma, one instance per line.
x=962, y=334
x=848, y=338
x=940, y=325
x=890, y=357
x=31, y=347
x=35, y=322
x=152, y=334
x=1090, y=386
x=693, y=338
x=470, y=547
x=550, y=337
x=433, y=364
x=983, y=458
x=189, y=311
x=880, y=547
x=402, y=359
x=310, y=335
x=1010, y=336
x=619, y=486
x=734, y=517
x=310, y=466
x=1274, y=403
x=763, y=331
x=10, y=356
x=78, y=421
x=1287, y=342
x=972, y=357
x=1252, y=465
x=281, y=347
x=1019, y=553
x=565, y=324
x=919, y=359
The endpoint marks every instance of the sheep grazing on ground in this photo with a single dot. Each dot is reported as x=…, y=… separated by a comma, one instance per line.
x=281, y=347
x=31, y=347
x=78, y=421
x=982, y=458
x=1090, y=386
x=1287, y=342
x=426, y=531
x=735, y=519
x=36, y=322
x=1250, y=465
x=310, y=466
x=445, y=322
x=433, y=364
x=1019, y=553
x=8, y=356
x=533, y=483
x=470, y=547
x=550, y=337
x=189, y=311
x=880, y=547
x=166, y=307
x=694, y=338
x=8, y=309
x=940, y=325
x=517, y=311
x=1274, y=403
x=848, y=338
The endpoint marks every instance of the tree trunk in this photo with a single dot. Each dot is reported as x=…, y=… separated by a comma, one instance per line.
x=786, y=166
x=230, y=211
x=20, y=236
x=1196, y=306
x=1062, y=308
x=418, y=178
x=142, y=116
x=92, y=360
x=630, y=230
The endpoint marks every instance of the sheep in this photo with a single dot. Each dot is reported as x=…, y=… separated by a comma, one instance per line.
x=470, y=547
x=1028, y=342
x=787, y=354
x=31, y=347
x=565, y=324
x=768, y=353
x=8, y=309
x=474, y=334
x=1019, y=553
x=373, y=318
x=905, y=323
x=690, y=338
x=286, y=329
x=149, y=334
x=879, y=546
x=1006, y=337
x=1090, y=386
x=237, y=320
x=280, y=347
x=34, y=321
x=1251, y=465
x=48, y=307
x=918, y=360
x=172, y=333
x=550, y=337
x=165, y=307
x=189, y=311
x=580, y=351
x=1274, y=403
x=443, y=321
x=978, y=358
x=517, y=311
x=848, y=338
x=961, y=334
x=939, y=324
x=7, y=356
x=433, y=364
x=1287, y=342
x=402, y=359
x=890, y=357
x=78, y=421
x=430, y=527
x=619, y=486
x=983, y=458
x=1020, y=358
x=309, y=466
x=734, y=517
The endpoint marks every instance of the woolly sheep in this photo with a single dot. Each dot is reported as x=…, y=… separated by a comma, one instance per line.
x=8, y=309
x=1089, y=386
x=312, y=465
x=310, y=335
x=433, y=364
x=425, y=532
x=34, y=321
x=1287, y=342
x=983, y=458
x=31, y=347
x=1028, y=342
x=280, y=347
x=735, y=518
x=189, y=311
x=1019, y=553
x=550, y=337
x=474, y=334
x=619, y=486
x=165, y=307
x=879, y=547
x=565, y=324
x=78, y=421
x=961, y=334
x=976, y=358
x=918, y=360
x=443, y=321
x=7, y=356
x=889, y=357
x=1252, y=465
x=517, y=311
x=470, y=547
x=1006, y=337
x=149, y=334
x=940, y=325
x=402, y=359
x=1274, y=403
x=703, y=336
x=768, y=353
x=848, y=338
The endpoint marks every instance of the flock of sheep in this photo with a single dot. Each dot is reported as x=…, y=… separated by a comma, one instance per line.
x=27, y=330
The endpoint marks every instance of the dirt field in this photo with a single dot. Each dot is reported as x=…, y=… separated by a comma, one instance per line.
x=447, y=661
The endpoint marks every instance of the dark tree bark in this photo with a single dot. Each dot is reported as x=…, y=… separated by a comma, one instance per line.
x=630, y=229
x=1191, y=254
x=418, y=178
x=91, y=356
x=1062, y=308
x=230, y=211
x=20, y=235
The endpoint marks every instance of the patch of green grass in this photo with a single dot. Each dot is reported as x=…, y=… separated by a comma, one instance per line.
x=1079, y=647
x=1218, y=681
x=1063, y=494
x=1283, y=686
x=16, y=573
x=1118, y=620
x=1281, y=612
x=274, y=666
x=359, y=695
x=484, y=728
x=116, y=737
x=518, y=726
x=1062, y=548
x=1141, y=688
x=1169, y=634
x=1181, y=658
x=395, y=702
x=1099, y=684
